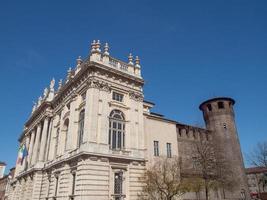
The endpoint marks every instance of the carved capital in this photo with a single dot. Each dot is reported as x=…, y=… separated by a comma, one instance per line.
x=93, y=83
x=136, y=96
x=105, y=87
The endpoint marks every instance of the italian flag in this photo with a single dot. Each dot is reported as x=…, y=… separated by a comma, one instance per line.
x=22, y=154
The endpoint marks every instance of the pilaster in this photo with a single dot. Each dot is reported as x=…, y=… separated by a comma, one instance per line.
x=73, y=123
x=43, y=140
x=36, y=144
x=31, y=146
x=25, y=161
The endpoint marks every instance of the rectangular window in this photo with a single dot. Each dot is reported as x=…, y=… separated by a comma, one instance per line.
x=220, y=105
x=117, y=97
x=156, y=148
x=56, y=186
x=73, y=183
x=169, y=150
x=118, y=178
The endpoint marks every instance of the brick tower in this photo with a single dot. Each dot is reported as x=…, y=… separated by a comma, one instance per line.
x=219, y=117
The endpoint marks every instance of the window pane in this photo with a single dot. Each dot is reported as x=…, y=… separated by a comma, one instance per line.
x=109, y=137
x=156, y=148
x=81, y=127
x=73, y=183
x=114, y=140
x=118, y=178
x=123, y=140
x=119, y=139
x=169, y=154
x=117, y=97
x=116, y=129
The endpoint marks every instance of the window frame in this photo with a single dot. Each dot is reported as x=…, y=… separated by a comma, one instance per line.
x=66, y=130
x=156, y=147
x=116, y=96
x=116, y=137
x=81, y=127
x=221, y=105
x=169, y=149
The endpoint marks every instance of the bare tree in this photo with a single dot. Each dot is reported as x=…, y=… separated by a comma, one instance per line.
x=258, y=157
x=195, y=184
x=212, y=168
x=163, y=180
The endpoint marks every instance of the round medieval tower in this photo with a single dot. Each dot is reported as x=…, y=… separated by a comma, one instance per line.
x=219, y=117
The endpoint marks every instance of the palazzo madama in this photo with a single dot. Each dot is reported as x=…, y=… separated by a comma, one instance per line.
x=92, y=135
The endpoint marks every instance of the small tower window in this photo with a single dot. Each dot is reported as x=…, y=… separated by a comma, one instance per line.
x=209, y=107
x=224, y=126
x=220, y=105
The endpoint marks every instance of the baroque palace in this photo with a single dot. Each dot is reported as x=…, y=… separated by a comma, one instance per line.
x=94, y=136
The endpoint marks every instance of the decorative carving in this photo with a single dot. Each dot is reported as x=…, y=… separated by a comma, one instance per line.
x=136, y=96
x=45, y=93
x=59, y=84
x=93, y=46
x=130, y=59
x=79, y=61
x=106, y=49
x=97, y=46
x=52, y=85
x=137, y=62
x=39, y=101
x=105, y=87
x=94, y=84
x=34, y=107
x=69, y=74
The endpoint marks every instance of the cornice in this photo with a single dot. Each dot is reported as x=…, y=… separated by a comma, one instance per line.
x=39, y=110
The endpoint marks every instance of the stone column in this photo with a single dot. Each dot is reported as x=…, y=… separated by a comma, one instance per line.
x=49, y=139
x=73, y=123
x=36, y=144
x=30, y=152
x=25, y=161
x=43, y=140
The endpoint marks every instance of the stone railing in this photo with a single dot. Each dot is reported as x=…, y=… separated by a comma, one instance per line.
x=115, y=64
x=118, y=64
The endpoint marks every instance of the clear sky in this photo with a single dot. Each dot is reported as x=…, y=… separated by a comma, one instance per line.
x=190, y=51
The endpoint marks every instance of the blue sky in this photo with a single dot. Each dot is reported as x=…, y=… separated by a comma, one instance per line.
x=190, y=51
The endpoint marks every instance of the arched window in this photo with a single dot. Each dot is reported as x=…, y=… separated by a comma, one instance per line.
x=66, y=132
x=81, y=127
x=116, y=130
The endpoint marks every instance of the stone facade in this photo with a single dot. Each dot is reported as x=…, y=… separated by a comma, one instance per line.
x=254, y=175
x=94, y=136
x=4, y=184
x=2, y=169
